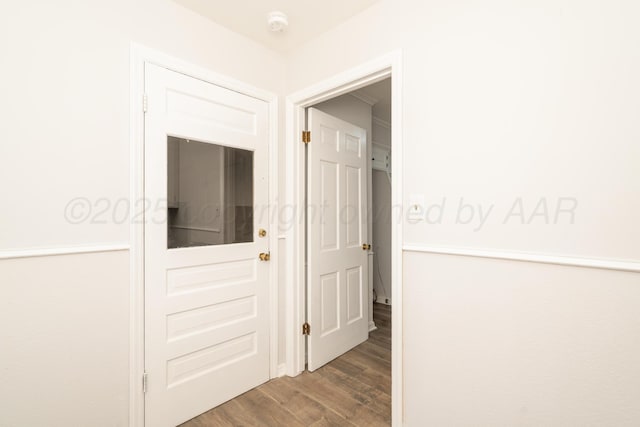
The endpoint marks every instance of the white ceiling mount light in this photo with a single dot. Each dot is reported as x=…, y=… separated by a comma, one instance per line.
x=278, y=21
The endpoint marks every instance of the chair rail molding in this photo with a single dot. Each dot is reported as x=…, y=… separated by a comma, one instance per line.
x=572, y=261
x=62, y=250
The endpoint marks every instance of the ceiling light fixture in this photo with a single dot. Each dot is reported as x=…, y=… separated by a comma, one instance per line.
x=277, y=21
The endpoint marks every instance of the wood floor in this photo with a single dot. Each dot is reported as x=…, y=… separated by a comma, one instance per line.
x=353, y=390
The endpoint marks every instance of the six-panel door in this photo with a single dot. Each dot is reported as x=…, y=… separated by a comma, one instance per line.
x=337, y=229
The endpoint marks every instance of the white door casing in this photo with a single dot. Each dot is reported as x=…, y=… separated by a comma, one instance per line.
x=206, y=307
x=337, y=229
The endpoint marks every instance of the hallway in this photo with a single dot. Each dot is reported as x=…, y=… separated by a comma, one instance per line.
x=352, y=390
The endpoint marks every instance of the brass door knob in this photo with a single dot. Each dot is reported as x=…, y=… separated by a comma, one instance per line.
x=262, y=232
x=366, y=247
x=264, y=256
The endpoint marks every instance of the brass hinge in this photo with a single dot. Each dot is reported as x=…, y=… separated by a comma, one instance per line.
x=144, y=382
x=306, y=329
x=306, y=136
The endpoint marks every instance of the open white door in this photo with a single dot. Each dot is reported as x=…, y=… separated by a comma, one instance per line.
x=206, y=291
x=337, y=238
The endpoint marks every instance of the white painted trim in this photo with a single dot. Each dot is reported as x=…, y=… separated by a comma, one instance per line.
x=606, y=264
x=274, y=177
x=141, y=55
x=372, y=326
x=340, y=84
x=295, y=278
x=63, y=250
x=370, y=100
x=136, y=230
x=350, y=80
x=380, y=122
x=397, y=345
x=195, y=228
x=282, y=370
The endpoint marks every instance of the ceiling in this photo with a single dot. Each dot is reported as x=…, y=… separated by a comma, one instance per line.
x=307, y=19
x=379, y=95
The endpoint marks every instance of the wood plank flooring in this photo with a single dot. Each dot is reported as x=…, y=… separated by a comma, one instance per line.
x=352, y=390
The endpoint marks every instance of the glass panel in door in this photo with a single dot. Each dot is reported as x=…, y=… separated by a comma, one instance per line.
x=209, y=194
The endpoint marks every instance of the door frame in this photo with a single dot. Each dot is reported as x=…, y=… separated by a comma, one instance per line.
x=389, y=65
x=139, y=56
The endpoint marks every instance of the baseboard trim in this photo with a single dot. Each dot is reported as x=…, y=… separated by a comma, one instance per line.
x=372, y=326
x=282, y=370
x=69, y=250
x=606, y=264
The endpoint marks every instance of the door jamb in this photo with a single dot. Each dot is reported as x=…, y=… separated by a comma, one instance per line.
x=347, y=81
x=139, y=55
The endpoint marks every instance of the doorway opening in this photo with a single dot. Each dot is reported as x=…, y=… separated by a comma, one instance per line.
x=300, y=273
x=348, y=239
x=348, y=224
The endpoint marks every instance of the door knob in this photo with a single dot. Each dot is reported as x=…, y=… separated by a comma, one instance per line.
x=262, y=232
x=366, y=247
x=264, y=256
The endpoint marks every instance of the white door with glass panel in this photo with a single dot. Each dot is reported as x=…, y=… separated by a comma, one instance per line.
x=206, y=289
x=337, y=246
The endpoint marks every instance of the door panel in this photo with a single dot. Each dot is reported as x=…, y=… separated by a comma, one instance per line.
x=354, y=294
x=206, y=292
x=353, y=211
x=330, y=302
x=329, y=231
x=336, y=222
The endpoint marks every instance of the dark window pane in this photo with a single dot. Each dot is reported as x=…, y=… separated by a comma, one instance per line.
x=209, y=194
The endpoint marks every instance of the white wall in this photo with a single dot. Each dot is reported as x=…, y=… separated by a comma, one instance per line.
x=65, y=340
x=501, y=101
x=381, y=238
x=508, y=100
x=382, y=218
x=65, y=103
x=500, y=343
x=381, y=133
x=65, y=126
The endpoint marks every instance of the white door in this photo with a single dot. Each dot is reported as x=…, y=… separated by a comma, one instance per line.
x=206, y=306
x=337, y=230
